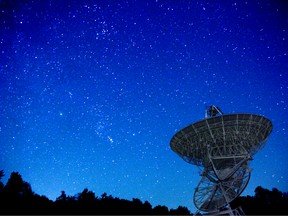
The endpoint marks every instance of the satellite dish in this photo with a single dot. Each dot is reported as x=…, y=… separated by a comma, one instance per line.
x=222, y=146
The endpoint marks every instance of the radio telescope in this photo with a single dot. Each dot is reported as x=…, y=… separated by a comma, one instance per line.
x=221, y=145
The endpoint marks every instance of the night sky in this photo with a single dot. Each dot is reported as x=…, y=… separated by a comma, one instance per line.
x=91, y=92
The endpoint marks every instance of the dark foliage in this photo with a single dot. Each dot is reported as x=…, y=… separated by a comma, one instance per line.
x=181, y=210
x=265, y=202
x=17, y=197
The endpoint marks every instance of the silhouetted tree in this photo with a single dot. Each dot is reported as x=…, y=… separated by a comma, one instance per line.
x=147, y=208
x=86, y=196
x=1, y=184
x=137, y=207
x=17, y=197
x=65, y=204
x=87, y=202
x=2, y=198
x=41, y=205
x=181, y=210
x=265, y=202
x=62, y=197
x=160, y=210
x=104, y=195
x=17, y=193
x=16, y=186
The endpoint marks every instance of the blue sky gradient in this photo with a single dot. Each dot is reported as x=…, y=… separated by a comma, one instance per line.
x=91, y=92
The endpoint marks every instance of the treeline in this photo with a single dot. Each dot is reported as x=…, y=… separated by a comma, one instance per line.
x=264, y=202
x=17, y=197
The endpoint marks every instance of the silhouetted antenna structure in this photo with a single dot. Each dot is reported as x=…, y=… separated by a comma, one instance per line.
x=222, y=146
x=213, y=111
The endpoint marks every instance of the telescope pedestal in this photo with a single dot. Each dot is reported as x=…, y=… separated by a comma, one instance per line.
x=223, y=179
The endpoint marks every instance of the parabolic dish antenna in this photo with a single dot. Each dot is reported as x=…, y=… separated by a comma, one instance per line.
x=222, y=146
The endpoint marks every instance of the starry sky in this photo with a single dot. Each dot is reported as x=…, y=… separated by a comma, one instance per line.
x=91, y=92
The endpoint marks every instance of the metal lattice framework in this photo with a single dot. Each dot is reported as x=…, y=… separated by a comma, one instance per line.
x=222, y=146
